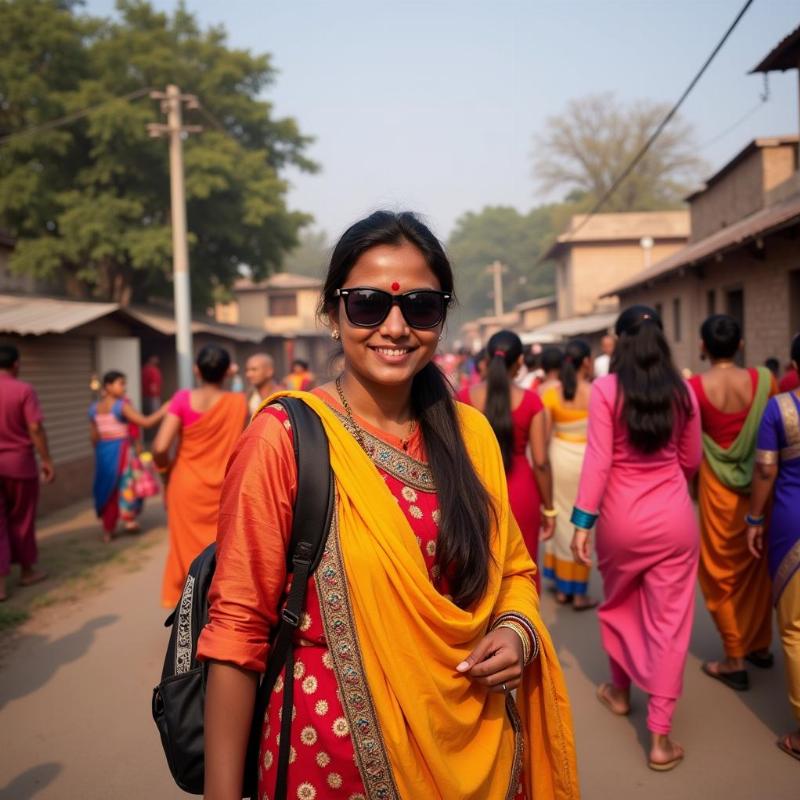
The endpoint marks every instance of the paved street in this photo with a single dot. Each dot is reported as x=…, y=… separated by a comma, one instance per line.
x=75, y=709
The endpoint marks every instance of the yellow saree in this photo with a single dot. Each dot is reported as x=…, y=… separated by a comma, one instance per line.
x=420, y=729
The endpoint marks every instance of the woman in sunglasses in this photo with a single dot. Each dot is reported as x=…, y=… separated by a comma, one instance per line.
x=426, y=615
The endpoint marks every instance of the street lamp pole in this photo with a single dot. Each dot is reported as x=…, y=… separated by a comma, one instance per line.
x=172, y=104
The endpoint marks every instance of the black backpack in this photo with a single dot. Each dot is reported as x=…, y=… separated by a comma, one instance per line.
x=178, y=701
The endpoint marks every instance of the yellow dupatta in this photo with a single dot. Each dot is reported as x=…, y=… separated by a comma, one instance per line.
x=444, y=735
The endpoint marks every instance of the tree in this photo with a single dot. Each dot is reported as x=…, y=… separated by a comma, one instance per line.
x=583, y=150
x=500, y=233
x=89, y=201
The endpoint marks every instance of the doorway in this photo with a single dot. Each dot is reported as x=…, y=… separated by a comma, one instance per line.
x=122, y=353
x=734, y=307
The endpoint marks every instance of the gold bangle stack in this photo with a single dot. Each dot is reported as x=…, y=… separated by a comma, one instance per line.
x=551, y=513
x=523, y=637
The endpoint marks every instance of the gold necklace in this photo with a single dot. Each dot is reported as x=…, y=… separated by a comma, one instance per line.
x=357, y=432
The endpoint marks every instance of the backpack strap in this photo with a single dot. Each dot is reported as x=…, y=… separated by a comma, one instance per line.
x=313, y=511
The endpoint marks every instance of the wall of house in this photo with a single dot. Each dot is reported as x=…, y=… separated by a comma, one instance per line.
x=742, y=190
x=252, y=308
x=594, y=268
x=304, y=320
x=535, y=317
x=771, y=295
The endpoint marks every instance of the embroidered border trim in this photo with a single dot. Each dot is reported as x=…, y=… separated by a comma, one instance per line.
x=342, y=639
x=402, y=466
x=183, y=641
x=791, y=426
x=787, y=568
x=767, y=457
x=519, y=746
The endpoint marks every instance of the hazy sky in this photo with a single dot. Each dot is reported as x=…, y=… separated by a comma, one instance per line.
x=433, y=105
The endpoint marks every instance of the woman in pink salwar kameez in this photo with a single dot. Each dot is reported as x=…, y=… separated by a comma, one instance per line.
x=639, y=456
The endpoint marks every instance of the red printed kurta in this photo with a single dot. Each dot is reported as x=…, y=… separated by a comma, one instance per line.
x=322, y=760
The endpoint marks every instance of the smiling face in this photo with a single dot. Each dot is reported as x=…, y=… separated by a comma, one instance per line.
x=393, y=352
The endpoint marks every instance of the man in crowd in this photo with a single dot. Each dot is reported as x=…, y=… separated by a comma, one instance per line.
x=21, y=432
x=603, y=362
x=260, y=373
x=152, y=382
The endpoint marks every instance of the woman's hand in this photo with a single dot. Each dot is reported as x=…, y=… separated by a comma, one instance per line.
x=548, y=528
x=496, y=662
x=755, y=540
x=582, y=547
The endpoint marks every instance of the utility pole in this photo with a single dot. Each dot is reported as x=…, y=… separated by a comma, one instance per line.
x=497, y=274
x=172, y=105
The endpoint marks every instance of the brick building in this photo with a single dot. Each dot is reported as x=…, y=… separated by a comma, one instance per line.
x=743, y=257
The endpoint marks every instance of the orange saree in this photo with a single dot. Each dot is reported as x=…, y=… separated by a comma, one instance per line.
x=194, y=488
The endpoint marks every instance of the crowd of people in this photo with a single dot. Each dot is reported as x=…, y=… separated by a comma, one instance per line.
x=431, y=576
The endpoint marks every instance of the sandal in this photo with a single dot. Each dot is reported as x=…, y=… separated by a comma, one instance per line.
x=37, y=577
x=666, y=766
x=603, y=697
x=761, y=660
x=737, y=680
x=563, y=599
x=785, y=744
x=588, y=604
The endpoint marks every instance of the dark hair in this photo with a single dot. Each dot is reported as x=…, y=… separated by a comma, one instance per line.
x=575, y=353
x=551, y=359
x=463, y=543
x=773, y=365
x=504, y=349
x=9, y=355
x=651, y=391
x=298, y=362
x=112, y=376
x=531, y=359
x=721, y=334
x=794, y=352
x=213, y=363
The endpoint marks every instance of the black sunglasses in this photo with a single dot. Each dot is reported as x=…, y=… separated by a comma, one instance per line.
x=368, y=308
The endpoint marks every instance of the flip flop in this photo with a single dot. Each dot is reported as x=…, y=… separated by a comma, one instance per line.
x=785, y=744
x=603, y=698
x=666, y=766
x=761, y=661
x=585, y=606
x=737, y=680
x=563, y=599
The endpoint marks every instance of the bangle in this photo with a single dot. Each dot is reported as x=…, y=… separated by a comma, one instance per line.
x=550, y=513
x=523, y=637
x=583, y=519
x=754, y=521
x=526, y=631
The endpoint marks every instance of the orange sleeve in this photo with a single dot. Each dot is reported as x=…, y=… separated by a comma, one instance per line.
x=255, y=522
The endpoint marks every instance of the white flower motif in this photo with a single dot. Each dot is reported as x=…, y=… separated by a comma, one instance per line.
x=415, y=512
x=292, y=754
x=299, y=669
x=340, y=727
x=305, y=791
x=437, y=516
x=278, y=684
x=323, y=759
x=268, y=759
x=321, y=707
x=409, y=494
x=327, y=659
x=305, y=621
x=431, y=548
x=335, y=780
x=308, y=735
x=310, y=684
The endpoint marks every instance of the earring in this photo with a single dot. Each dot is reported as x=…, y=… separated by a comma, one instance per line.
x=335, y=334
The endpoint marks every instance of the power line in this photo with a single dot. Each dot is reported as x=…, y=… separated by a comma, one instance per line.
x=764, y=98
x=663, y=124
x=72, y=117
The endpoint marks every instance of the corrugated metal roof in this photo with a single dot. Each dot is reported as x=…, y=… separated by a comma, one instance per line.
x=783, y=56
x=757, y=224
x=280, y=280
x=570, y=327
x=164, y=323
x=34, y=316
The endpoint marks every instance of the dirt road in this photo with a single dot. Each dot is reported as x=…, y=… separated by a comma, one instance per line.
x=75, y=715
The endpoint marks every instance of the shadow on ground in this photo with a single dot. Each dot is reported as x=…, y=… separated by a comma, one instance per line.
x=52, y=656
x=29, y=783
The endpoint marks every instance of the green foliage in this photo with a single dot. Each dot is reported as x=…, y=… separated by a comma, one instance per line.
x=89, y=202
x=504, y=234
x=311, y=256
x=582, y=151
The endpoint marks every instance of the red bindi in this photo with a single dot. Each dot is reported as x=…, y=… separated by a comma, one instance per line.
x=395, y=286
